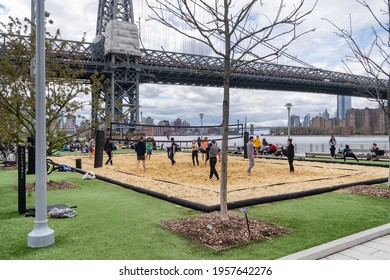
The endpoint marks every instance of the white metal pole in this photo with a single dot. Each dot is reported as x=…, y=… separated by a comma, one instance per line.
x=288, y=105
x=288, y=121
x=41, y=235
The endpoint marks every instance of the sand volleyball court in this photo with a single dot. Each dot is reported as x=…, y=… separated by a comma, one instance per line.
x=185, y=181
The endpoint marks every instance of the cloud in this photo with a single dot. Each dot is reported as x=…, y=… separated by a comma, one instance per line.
x=3, y=9
x=321, y=48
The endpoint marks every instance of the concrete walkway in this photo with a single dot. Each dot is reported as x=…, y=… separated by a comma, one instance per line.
x=372, y=244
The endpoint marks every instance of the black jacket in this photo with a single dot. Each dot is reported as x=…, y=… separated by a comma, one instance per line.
x=290, y=150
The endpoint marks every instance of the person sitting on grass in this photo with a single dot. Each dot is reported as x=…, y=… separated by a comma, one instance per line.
x=347, y=152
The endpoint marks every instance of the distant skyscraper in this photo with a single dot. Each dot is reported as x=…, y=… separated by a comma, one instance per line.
x=325, y=114
x=306, y=120
x=343, y=104
x=295, y=121
x=148, y=121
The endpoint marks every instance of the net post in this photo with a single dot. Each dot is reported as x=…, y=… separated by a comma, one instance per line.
x=246, y=139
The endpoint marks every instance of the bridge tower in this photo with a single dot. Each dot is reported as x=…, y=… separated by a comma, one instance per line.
x=118, y=36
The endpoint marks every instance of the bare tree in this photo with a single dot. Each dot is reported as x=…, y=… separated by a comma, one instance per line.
x=228, y=28
x=373, y=56
x=17, y=85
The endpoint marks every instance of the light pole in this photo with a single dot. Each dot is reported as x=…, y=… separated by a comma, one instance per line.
x=41, y=235
x=201, y=122
x=288, y=105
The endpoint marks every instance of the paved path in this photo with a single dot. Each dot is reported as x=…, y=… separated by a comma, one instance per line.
x=372, y=244
x=376, y=249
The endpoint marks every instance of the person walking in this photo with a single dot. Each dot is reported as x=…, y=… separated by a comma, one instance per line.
x=149, y=148
x=207, y=151
x=199, y=141
x=332, y=146
x=168, y=146
x=290, y=154
x=195, y=152
x=203, y=148
x=251, y=155
x=172, y=151
x=91, y=147
x=257, y=144
x=109, y=148
x=214, y=152
x=140, y=149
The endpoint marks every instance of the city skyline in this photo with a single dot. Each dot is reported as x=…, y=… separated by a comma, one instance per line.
x=295, y=118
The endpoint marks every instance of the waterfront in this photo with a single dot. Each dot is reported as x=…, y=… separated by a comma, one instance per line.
x=303, y=143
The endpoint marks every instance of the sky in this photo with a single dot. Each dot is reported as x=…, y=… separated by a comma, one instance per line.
x=321, y=48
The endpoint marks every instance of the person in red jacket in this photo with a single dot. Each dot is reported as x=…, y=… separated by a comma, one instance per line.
x=271, y=149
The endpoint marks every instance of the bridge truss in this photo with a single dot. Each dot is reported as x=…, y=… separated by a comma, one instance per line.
x=120, y=98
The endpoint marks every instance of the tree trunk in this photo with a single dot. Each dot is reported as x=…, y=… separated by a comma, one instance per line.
x=387, y=122
x=225, y=118
x=388, y=179
x=225, y=143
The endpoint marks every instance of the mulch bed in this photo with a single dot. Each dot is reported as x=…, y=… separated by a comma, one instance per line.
x=208, y=229
x=51, y=185
x=368, y=190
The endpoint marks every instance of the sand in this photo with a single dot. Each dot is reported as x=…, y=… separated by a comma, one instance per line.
x=183, y=180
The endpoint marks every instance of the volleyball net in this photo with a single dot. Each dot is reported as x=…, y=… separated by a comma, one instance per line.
x=125, y=132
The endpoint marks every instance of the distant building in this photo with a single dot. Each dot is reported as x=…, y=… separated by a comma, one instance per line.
x=64, y=123
x=161, y=130
x=331, y=123
x=306, y=120
x=371, y=121
x=318, y=122
x=325, y=114
x=164, y=123
x=177, y=122
x=147, y=121
x=295, y=121
x=343, y=104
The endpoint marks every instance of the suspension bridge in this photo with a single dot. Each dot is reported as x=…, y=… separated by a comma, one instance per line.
x=129, y=66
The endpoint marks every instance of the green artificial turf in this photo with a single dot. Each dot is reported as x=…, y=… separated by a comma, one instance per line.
x=116, y=223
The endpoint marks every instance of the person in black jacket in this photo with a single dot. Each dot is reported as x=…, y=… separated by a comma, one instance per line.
x=332, y=146
x=347, y=152
x=109, y=147
x=290, y=154
x=140, y=149
x=172, y=151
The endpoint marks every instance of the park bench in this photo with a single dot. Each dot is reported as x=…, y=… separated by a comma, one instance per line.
x=359, y=153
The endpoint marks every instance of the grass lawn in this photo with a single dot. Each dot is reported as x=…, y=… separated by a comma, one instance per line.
x=115, y=223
